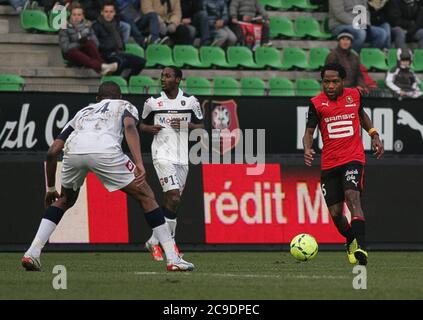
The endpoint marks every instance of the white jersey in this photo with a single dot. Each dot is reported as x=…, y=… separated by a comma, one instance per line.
x=170, y=144
x=98, y=128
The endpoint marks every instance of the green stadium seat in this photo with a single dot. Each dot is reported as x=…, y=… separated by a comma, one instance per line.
x=303, y=4
x=310, y=27
x=294, y=58
x=270, y=57
x=373, y=58
x=214, y=56
x=392, y=58
x=121, y=82
x=35, y=20
x=280, y=86
x=241, y=57
x=418, y=60
x=11, y=82
x=381, y=84
x=317, y=58
x=272, y=4
x=143, y=84
x=281, y=27
x=251, y=86
x=287, y=5
x=135, y=49
x=307, y=87
x=187, y=56
x=198, y=86
x=159, y=54
x=225, y=86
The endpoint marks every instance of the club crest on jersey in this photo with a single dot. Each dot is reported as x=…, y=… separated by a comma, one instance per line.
x=160, y=104
x=224, y=117
x=349, y=99
x=183, y=103
x=130, y=165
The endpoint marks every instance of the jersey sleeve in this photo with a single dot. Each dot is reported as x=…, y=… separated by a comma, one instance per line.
x=312, y=116
x=147, y=114
x=68, y=129
x=130, y=111
x=196, y=111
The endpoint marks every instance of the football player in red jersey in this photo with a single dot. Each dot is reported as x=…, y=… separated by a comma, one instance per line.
x=340, y=115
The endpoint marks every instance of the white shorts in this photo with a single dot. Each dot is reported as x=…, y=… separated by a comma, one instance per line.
x=171, y=176
x=115, y=171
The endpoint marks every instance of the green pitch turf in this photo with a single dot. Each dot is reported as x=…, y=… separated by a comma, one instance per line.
x=229, y=275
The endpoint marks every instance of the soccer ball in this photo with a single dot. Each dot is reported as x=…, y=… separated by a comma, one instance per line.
x=304, y=247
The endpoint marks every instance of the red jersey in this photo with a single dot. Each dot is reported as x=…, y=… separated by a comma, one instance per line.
x=339, y=124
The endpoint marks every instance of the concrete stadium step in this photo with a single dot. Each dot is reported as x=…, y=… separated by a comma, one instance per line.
x=4, y=26
x=23, y=58
x=30, y=38
x=51, y=72
x=61, y=84
x=7, y=10
x=304, y=44
x=53, y=52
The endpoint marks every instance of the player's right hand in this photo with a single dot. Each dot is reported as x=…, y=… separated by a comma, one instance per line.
x=155, y=129
x=309, y=156
x=50, y=198
x=139, y=175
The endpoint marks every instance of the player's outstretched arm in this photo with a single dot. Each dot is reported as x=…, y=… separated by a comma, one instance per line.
x=51, y=164
x=134, y=144
x=307, y=144
x=367, y=125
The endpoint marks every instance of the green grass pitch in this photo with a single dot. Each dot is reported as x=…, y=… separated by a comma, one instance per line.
x=218, y=275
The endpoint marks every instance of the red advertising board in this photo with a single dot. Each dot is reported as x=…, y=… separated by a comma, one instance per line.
x=269, y=208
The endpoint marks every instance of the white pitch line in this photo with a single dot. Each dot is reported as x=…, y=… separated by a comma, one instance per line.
x=259, y=276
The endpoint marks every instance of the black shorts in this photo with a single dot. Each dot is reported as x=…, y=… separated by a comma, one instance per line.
x=335, y=181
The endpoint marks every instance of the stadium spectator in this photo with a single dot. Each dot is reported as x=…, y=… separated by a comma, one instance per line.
x=218, y=18
x=406, y=19
x=92, y=9
x=401, y=79
x=79, y=43
x=249, y=11
x=18, y=5
x=170, y=15
x=129, y=11
x=111, y=44
x=379, y=18
x=342, y=18
x=195, y=18
x=348, y=59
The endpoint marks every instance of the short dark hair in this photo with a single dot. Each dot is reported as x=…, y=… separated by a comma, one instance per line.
x=108, y=3
x=334, y=67
x=176, y=70
x=109, y=90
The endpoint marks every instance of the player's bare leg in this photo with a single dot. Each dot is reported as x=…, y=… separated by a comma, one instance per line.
x=344, y=228
x=352, y=198
x=155, y=218
x=52, y=217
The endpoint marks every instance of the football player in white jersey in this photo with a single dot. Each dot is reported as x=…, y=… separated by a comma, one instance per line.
x=91, y=142
x=168, y=116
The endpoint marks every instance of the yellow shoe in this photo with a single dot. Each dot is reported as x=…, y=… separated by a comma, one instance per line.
x=351, y=248
x=361, y=255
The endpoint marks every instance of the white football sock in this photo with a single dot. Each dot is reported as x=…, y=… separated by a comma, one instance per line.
x=172, y=226
x=153, y=239
x=163, y=235
x=43, y=234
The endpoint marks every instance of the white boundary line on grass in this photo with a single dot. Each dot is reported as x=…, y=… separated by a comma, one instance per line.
x=259, y=276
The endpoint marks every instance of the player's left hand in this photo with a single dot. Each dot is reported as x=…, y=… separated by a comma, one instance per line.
x=139, y=175
x=377, y=146
x=50, y=198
